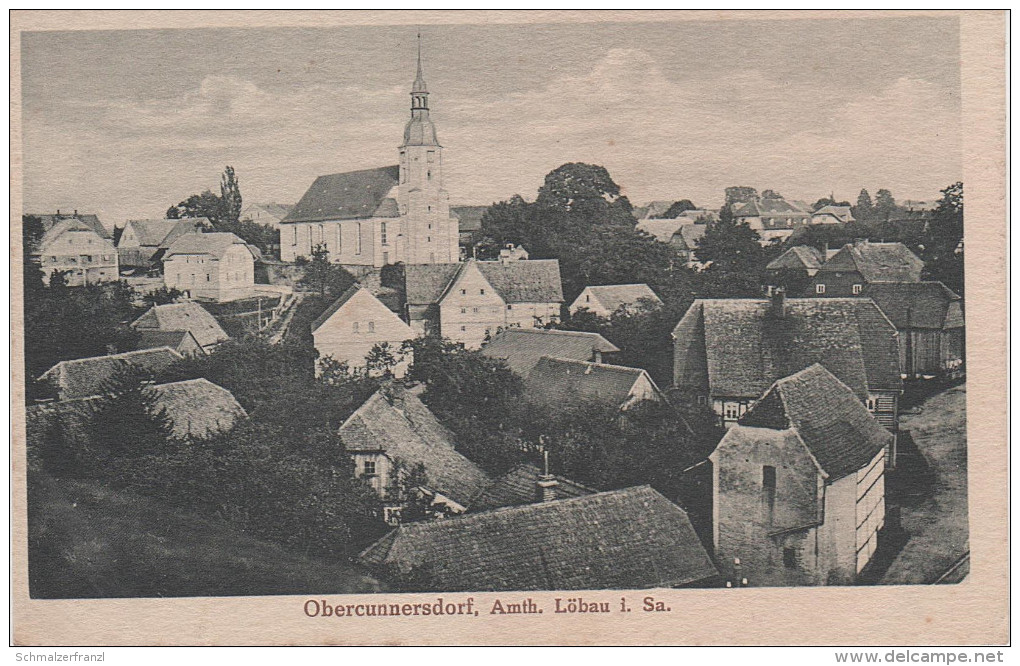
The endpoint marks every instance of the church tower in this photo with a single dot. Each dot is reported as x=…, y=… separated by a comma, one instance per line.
x=428, y=233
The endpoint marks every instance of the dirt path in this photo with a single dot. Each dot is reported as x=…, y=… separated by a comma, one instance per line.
x=938, y=526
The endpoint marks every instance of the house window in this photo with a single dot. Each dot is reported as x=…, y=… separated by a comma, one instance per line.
x=385, y=258
x=382, y=232
x=587, y=298
x=857, y=289
x=474, y=310
x=354, y=327
x=768, y=477
x=428, y=239
x=371, y=327
x=702, y=399
x=872, y=404
x=482, y=292
x=322, y=233
x=790, y=558
x=431, y=155
x=428, y=174
x=509, y=306
x=731, y=411
x=463, y=328
x=463, y=310
x=207, y=277
x=463, y=292
x=819, y=288
x=369, y=468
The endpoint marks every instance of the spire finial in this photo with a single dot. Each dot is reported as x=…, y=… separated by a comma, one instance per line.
x=419, y=80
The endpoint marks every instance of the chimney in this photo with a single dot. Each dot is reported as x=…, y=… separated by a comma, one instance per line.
x=778, y=307
x=58, y=212
x=76, y=212
x=598, y=356
x=545, y=489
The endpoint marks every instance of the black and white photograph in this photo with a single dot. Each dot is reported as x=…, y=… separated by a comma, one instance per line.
x=495, y=307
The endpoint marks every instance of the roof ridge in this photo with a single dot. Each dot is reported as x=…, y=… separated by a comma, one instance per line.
x=606, y=366
x=133, y=352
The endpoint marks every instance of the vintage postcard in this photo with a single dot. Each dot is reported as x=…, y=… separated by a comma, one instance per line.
x=415, y=328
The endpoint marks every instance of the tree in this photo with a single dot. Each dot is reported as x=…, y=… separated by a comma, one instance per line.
x=325, y=277
x=31, y=235
x=679, y=207
x=230, y=198
x=128, y=421
x=382, y=358
x=578, y=187
x=740, y=194
x=865, y=210
x=731, y=247
x=205, y=205
x=771, y=194
x=162, y=296
x=943, y=245
x=885, y=205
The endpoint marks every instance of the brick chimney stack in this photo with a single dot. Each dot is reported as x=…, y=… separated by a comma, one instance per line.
x=545, y=489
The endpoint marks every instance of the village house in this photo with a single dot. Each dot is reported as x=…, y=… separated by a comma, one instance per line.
x=391, y=434
x=190, y=317
x=802, y=259
x=624, y=539
x=607, y=300
x=772, y=218
x=832, y=215
x=354, y=324
x=527, y=484
x=469, y=219
x=652, y=210
x=856, y=264
x=929, y=318
x=560, y=384
x=216, y=267
x=183, y=342
x=663, y=229
x=376, y=217
x=799, y=485
x=266, y=214
x=469, y=302
x=685, y=242
x=728, y=352
x=77, y=246
x=84, y=377
x=194, y=409
x=522, y=348
x=143, y=243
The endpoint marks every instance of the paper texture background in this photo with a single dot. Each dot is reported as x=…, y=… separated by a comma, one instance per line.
x=971, y=613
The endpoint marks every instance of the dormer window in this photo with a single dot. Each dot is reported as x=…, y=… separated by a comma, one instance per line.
x=857, y=289
x=819, y=288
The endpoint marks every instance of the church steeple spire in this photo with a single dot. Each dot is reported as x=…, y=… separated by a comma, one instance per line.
x=419, y=130
x=419, y=80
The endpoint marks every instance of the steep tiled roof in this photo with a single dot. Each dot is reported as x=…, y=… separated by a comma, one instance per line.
x=798, y=256
x=425, y=283
x=62, y=225
x=523, y=347
x=346, y=196
x=916, y=304
x=161, y=233
x=652, y=209
x=841, y=213
x=470, y=216
x=835, y=426
x=180, y=317
x=624, y=539
x=195, y=409
x=688, y=235
x=747, y=348
x=398, y=424
x=769, y=208
x=87, y=219
x=663, y=230
x=530, y=281
x=877, y=262
x=171, y=339
x=518, y=487
x=276, y=210
x=337, y=304
x=85, y=377
x=561, y=383
x=214, y=244
x=615, y=296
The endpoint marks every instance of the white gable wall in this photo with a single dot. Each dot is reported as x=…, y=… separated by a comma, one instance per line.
x=361, y=323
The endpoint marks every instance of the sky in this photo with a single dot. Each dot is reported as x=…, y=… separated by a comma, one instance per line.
x=126, y=123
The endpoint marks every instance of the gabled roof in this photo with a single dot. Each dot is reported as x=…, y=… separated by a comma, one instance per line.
x=841, y=213
x=85, y=377
x=470, y=216
x=518, y=487
x=652, y=209
x=87, y=219
x=214, y=244
x=663, y=230
x=276, y=210
x=916, y=304
x=425, y=283
x=161, y=233
x=624, y=539
x=877, y=262
x=559, y=383
x=836, y=427
x=522, y=348
x=688, y=235
x=769, y=207
x=188, y=316
x=615, y=296
x=747, y=348
x=172, y=339
x=346, y=196
x=195, y=409
x=395, y=422
x=61, y=226
x=525, y=281
x=337, y=304
x=798, y=257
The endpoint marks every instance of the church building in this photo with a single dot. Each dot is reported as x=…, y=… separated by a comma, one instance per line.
x=381, y=216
